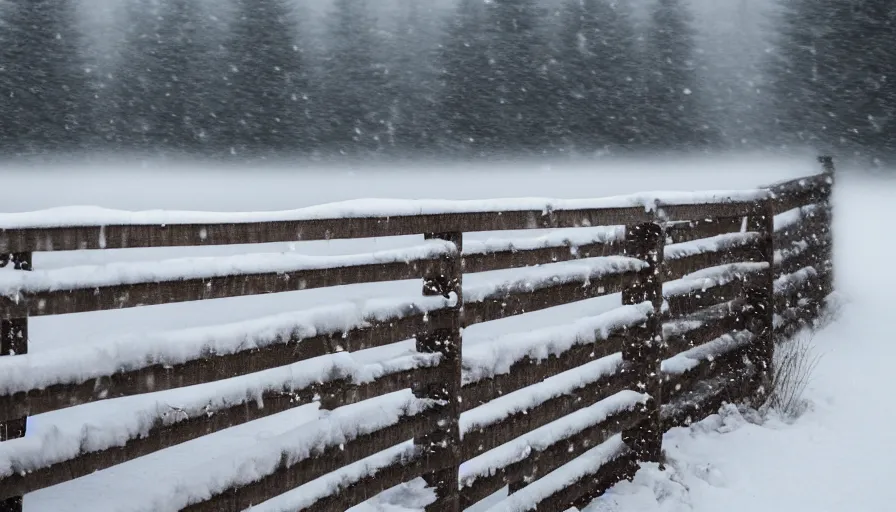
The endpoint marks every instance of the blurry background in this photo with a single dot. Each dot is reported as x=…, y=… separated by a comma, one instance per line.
x=242, y=80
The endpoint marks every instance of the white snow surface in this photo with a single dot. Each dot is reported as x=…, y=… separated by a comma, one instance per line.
x=124, y=487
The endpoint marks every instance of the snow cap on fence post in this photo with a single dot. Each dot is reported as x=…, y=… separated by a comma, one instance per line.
x=441, y=448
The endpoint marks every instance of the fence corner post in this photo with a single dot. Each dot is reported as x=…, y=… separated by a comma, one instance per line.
x=759, y=313
x=827, y=226
x=13, y=341
x=443, y=445
x=643, y=349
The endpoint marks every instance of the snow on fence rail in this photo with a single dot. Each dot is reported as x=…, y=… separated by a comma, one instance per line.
x=715, y=276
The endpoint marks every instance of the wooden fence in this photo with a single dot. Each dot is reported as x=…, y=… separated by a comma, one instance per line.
x=708, y=282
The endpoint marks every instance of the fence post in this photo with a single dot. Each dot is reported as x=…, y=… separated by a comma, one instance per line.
x=827, y=234
x=643, y=348
x=14, y=340
x=443, y=445
x=759, y=312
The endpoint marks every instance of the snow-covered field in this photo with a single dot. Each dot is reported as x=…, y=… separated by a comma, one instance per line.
x=829, y=445
x=837, y=456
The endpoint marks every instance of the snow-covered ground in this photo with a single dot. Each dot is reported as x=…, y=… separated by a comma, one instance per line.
x=842, y=391
x=837, y=456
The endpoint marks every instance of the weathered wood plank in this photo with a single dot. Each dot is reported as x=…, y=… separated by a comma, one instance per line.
x=354, y=492
x=40, y=302
x=691, y=407
x=811, y=288
x=690, y=303
x=503, y=304
x=676, y=268
x=486, y=437
x=215, y=367
x=184, y=235
x=290, y=476
x=113, y=236
x=527, y=372
x=688, y=231
x=540, y=462
x=161, y=435
x=812, y=255
x=679, y=383
x=800, y=192
x=703, y=211
x=585, y=490
x=518, y=258
x=711, y=328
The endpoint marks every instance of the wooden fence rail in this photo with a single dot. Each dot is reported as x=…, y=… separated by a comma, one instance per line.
x=708, y=281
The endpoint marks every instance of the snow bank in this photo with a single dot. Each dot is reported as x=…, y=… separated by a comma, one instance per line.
x=495, y=357
x=542, y=277
x=361, y=208
x=54, y=445
x=74, y=365
x=95, y=276
x=527, y=398
x=561, y=478
x=540, y=439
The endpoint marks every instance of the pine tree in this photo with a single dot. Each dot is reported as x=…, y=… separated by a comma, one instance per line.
x=519, y=57
x=832, y=76
x=42, y=78
x=353, y=82
x=268, y=108
x=736, y=98
x=468, y=96
x=598, y=72
x=411, y=77
x=162, y=99
x=674, y=119
x=798, y=95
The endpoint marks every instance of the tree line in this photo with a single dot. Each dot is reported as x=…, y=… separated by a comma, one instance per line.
x=504, y=76
x=834, y=76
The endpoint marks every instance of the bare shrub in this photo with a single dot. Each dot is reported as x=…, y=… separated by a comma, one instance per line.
x=793, y=364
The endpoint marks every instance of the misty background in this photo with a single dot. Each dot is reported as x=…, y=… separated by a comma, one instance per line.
x=248, y=79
